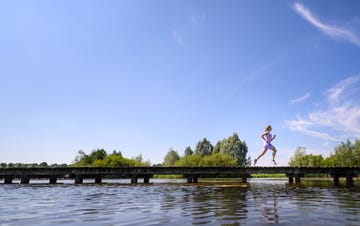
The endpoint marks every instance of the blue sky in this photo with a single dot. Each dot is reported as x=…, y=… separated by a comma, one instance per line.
x=142, y=76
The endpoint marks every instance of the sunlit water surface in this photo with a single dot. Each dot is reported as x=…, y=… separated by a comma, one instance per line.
x=174, y=202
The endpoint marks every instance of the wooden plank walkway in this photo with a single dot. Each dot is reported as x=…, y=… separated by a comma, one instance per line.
x=191, y=173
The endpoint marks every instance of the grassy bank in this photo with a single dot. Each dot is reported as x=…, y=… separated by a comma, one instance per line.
x=177, y=176
x=268, y=175
x=173, y=176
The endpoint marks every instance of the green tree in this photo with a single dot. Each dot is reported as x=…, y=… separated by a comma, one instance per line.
x=138, y=158
x=82, y=159
x=345, y=154
x=140, y=161
x=98, y=154
x=116, y=153
x=204, y=147
x=171, y=157
x=301, y=158
x=315, y=160
x=298, y=158
x=99, y=157
x=116, y=161
x=189, y=160
x=43, y=164
x=235, y=148
x=218, y=159
x=196, y=160
x=356, y=153
x=188, y=151
x=329, y=161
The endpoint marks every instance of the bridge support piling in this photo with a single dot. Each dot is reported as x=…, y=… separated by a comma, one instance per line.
x=79, y=179
x=24, y=180
x=192, y=179
x=348, y=175
x=97, y=180
x=134, y=180
x=8, y=180
x=349, y=180
x=244, y=177
x=52, y=180
x=291, y=180
x=146, y=180
x=297, y=176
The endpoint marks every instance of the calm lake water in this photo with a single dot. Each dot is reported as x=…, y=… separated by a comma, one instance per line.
x=174, y=202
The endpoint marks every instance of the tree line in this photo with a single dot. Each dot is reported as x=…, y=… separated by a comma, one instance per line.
x=230, y=151
x=99, y=157
x=26, y=165
x=346, y=154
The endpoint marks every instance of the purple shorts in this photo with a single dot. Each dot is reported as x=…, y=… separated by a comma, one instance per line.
x=268, y=145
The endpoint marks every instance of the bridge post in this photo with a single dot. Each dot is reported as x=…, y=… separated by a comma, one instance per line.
x=348, y=175
x=97, y=180
x=336, y=180
x=133, y=179
x=52, y=180
x=79, y=179
x=146, y=180
x=244, y=177
x=24, y=179
x=192, y=178
x=296, y=175
x=291, y=180
x=8, y=180
x=349, y=180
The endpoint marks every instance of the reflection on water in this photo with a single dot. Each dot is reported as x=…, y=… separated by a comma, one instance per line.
x=173, y=202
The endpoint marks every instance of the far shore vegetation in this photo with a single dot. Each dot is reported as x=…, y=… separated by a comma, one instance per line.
x=346, y=154
x=229, y=152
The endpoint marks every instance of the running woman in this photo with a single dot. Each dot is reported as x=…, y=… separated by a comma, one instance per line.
x=267, y=137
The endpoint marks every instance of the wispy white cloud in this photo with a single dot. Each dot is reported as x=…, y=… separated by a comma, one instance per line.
x=178, y=37
x=330, y=30
x=340, y=118
x=198, y=19
x=336, y=92
x=300, y=99
x=305, y=126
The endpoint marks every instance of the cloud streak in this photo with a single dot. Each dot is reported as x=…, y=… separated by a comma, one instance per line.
x=305, y=126
x=178, y=37
x=335, y=93
x=341, y=116
x=330, y=30
x=300, y=99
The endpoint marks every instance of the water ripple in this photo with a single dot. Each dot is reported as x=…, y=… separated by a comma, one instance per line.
x=258, y=202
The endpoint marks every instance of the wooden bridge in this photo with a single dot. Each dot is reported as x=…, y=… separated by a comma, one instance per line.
x=191, y=173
